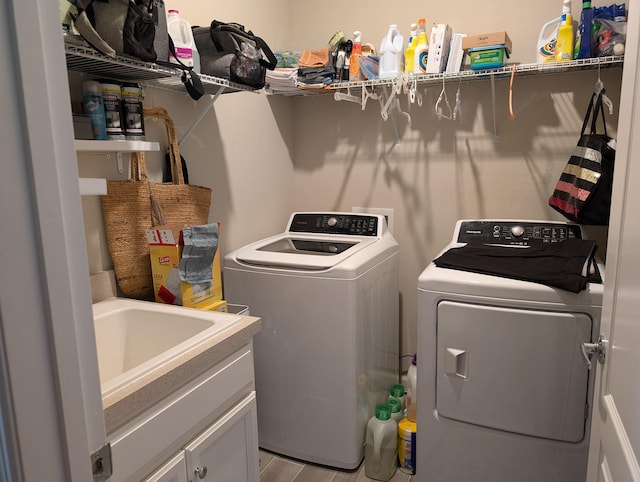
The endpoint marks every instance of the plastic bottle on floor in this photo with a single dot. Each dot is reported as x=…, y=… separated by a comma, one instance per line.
x=412, y=376
x=395, y=406
x=407, y=431
x=380, y=451
x=397, y=391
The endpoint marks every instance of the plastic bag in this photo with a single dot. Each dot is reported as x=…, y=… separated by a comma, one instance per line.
x=608, y=37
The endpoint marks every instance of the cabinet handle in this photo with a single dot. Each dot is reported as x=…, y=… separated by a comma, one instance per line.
x=201, y=472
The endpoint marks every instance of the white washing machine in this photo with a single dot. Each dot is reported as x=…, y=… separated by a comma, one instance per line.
x=327, y=292
x=504, y=391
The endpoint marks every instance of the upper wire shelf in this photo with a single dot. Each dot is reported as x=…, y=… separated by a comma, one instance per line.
x=81, y=58
x=506, y=71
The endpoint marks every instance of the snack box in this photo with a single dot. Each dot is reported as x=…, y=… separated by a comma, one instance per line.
x=487, y=40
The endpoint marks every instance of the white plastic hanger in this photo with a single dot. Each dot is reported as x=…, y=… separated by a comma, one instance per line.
x=599, y=88
x=349, y=97
x=457, y=108
x=414, y=95
x=440, y=113
x=366, y=95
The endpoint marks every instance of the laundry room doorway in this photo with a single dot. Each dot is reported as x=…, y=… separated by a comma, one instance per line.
x=615, y=435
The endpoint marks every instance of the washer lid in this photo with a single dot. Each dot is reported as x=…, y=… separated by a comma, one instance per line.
x=306, y=252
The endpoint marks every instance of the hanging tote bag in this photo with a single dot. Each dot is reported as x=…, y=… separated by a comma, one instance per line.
x=133, y=206
x=583, y=192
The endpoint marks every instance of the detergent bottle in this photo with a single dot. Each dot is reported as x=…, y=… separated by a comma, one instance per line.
x=422, y=49
x=380, y=450
x=391, y=54
x=549, y=36
x=564, y=44
x=583, y=38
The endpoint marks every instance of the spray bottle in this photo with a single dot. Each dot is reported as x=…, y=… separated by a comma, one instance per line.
x=548, y=37
x=356, y=51
x=411, y=48
x=564, y=45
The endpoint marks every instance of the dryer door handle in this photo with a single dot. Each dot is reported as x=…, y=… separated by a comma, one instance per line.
x=456, y=363
x=599, y=349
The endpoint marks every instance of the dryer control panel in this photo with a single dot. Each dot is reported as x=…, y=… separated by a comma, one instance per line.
x=334, y=223
x=516, y=233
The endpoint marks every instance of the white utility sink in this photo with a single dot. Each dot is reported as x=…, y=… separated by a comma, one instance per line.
x=135, y=337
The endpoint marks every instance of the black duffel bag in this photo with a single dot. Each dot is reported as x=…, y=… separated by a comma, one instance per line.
x=230, y=52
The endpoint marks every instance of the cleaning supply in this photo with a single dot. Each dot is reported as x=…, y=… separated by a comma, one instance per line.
x=380, y=450
x=395, y=406
x=583, y=39
x=93, y=106
x=391, y=54
x=564, y=44
x=413, y=33
x=346, y=67
x=412, y=376
x=422, y=49
x=397, y=391
x=185, y=46
x=407, y=431
x=409, y=55
x=548, y=37
x=356, y=52
x=112, y=99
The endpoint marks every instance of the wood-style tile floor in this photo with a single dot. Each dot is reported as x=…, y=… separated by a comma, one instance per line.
x=274, y=468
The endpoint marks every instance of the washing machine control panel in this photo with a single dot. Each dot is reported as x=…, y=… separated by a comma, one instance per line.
x=328, y=223
x=518, y=233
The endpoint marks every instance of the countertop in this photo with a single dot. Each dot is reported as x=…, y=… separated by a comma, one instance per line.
x=132, y=399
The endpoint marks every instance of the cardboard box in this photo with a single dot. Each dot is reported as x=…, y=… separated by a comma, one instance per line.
x=165, y=247
x=487, y=40
x=220, y=305
x=439, y=45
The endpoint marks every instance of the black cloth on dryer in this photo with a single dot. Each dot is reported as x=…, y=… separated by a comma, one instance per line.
x=569, y=264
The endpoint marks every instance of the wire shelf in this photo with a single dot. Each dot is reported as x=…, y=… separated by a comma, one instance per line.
x=506, y=71
x=84, y=59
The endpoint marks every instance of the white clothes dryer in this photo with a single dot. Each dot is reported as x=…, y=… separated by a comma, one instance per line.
x=504, y=390
x=327, y=292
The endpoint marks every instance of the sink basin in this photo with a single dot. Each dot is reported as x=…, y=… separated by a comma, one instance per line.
x=135, y=337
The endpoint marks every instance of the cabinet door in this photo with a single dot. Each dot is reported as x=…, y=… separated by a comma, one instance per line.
x=228, y=449
x=175, y=470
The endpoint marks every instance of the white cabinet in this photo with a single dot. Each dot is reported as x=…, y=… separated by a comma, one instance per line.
x=228, y=449
x=225, y=451
x=175, y=470
x=209, y=427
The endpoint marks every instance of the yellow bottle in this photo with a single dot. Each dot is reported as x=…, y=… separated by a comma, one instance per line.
x=421, y=49
x=564, y=44
x=409, y=56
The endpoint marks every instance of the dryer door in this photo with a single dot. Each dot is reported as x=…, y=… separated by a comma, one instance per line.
x=513, y=369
